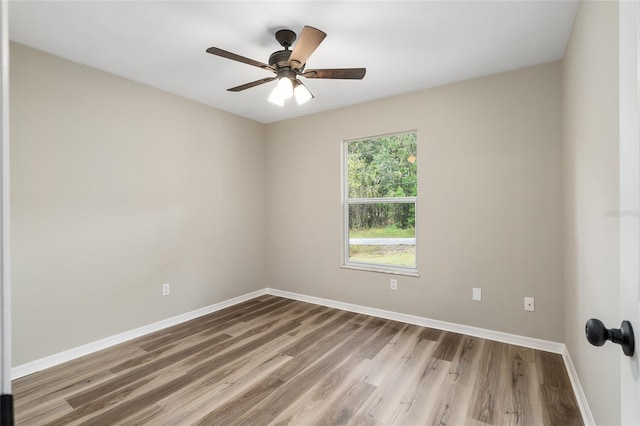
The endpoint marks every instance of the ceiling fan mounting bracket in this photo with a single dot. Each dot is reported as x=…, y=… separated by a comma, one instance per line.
x=285, y=38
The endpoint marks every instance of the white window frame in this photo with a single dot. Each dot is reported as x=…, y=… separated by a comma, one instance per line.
x=346, y=202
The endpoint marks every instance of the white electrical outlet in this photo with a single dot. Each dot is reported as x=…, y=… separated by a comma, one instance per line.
x=529, y=304
x=393, y=285
x=477, y=295
x=166, y=289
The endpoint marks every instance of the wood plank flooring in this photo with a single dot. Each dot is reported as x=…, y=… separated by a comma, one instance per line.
x=274, y=361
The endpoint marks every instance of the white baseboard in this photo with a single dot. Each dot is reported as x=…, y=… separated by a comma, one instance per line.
x=587, y=417
x=514, y=339
x=68, y=355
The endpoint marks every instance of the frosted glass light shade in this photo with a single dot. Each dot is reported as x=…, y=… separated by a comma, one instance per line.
x=302, y=94
x=282, y=92
x=275, y=97
x=285, y=87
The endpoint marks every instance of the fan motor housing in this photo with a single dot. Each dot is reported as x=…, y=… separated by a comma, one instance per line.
x=279, y=58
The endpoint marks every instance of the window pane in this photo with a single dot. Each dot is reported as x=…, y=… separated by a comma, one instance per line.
x=382, y=167
x=382, y=233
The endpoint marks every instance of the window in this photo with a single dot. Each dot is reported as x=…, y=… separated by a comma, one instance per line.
x=380, y=195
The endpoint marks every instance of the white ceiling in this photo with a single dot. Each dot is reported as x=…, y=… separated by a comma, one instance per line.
x=405, y=46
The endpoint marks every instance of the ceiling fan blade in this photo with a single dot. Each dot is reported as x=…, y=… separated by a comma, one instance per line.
x=307, y=43
x=252, y=84
x=234, y=57
x=346, y=73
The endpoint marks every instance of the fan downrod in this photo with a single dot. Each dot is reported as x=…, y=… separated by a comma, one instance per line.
x=285, y=38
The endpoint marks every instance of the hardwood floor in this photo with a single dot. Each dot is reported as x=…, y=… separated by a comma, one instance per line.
x=277, y=361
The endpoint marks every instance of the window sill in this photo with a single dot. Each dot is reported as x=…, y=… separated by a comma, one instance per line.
x=406, y=273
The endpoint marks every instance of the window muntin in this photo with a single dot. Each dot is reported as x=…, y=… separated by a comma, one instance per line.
x=380, y=181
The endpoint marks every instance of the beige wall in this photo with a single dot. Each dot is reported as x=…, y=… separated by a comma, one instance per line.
x=117, y=188
x=489, y=212
x=591, y=173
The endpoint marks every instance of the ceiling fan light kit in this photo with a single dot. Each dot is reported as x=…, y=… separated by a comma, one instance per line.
x=289, y=64
x=286, y=88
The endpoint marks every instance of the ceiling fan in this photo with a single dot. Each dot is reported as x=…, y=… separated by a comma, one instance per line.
x=289, y=64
